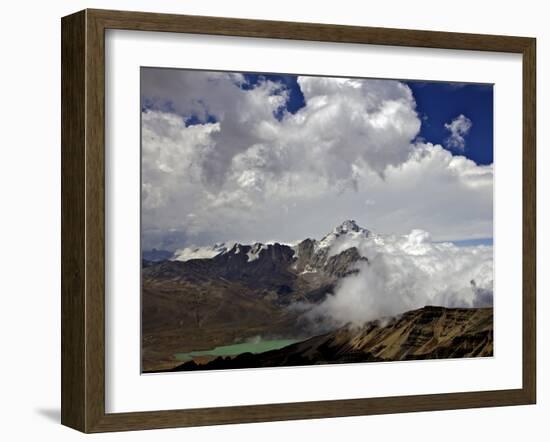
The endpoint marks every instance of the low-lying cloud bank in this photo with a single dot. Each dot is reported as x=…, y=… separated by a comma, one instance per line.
x=405, y=273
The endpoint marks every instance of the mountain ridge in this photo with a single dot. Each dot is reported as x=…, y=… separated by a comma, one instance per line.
x=430, y=332
x=347, y=227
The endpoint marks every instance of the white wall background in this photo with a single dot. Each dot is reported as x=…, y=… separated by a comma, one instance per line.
x=30, y=217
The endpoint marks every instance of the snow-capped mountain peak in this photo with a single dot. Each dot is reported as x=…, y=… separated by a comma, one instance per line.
x=348, y=229
x=348, y=226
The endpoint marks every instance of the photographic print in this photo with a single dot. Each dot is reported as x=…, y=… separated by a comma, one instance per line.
x=297, y=220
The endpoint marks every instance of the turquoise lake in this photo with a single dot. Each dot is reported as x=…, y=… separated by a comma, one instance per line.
x=235, y=349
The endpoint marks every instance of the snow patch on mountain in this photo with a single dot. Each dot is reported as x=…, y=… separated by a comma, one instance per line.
x=254, y=253
x=206, y=252
x=308, y=269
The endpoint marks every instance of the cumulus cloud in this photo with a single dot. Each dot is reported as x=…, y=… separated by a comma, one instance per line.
x=459, y=128
x=214, y=95
x=407, y=272
x=248, y=170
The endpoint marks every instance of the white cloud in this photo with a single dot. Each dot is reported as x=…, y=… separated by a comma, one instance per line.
x=251, y=177
x=404, y=273
x=459, y=128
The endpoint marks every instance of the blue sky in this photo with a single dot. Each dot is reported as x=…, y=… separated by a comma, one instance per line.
x=295, y=100
x=437, y=104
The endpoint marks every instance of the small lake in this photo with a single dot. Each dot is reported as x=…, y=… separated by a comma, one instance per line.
x=236, y=349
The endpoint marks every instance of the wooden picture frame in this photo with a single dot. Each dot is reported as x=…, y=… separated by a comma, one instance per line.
x=83, y=220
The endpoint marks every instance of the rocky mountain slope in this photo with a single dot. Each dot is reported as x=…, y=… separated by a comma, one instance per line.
x=426, y=333
x=206, y=297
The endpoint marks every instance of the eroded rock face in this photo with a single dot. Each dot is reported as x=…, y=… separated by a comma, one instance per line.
x=426, y=333
x=343, y=264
